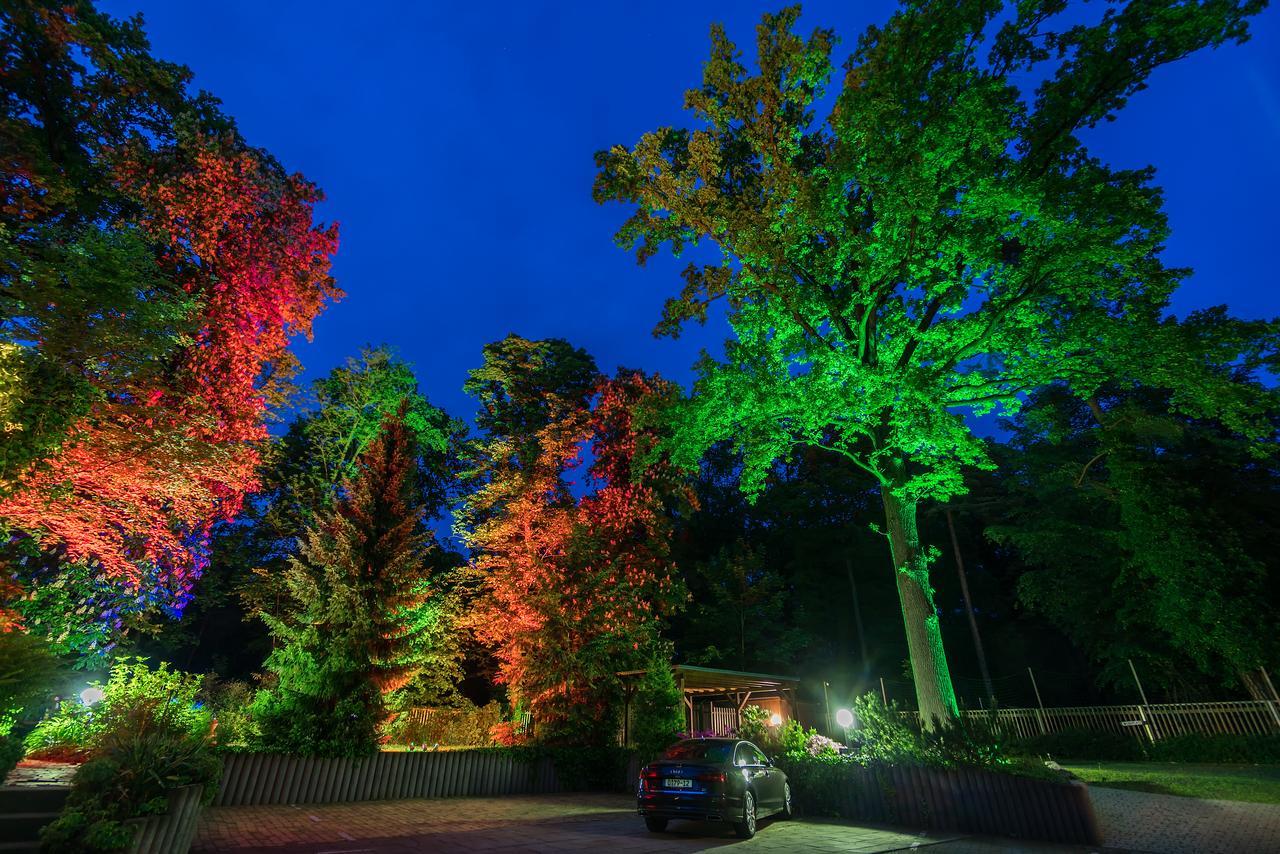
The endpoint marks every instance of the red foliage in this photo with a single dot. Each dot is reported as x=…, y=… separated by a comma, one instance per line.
x=573, y=587
x=154, y=466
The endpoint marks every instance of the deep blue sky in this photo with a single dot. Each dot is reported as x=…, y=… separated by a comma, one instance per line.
x=454, y=142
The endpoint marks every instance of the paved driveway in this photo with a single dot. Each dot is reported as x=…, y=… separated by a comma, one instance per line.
x=605, y=823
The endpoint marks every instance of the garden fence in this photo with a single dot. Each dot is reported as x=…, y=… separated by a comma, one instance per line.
x=1154, y=721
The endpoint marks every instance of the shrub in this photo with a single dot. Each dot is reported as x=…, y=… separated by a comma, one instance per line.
x=73, y=729
x=330, y=725
x=1216, y=748
x=29, y=675
x=1080, y=744
x=753, y=724
x=147, y=752
x=62, y=735
x=882, y=735
x=507, y=734
x=466, y=726
x=793, y=737
x=819, y=746
x=230, y=702
x=658, y=713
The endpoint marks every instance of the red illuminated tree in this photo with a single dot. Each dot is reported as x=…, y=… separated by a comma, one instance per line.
x=153, y=267
x=569, y=589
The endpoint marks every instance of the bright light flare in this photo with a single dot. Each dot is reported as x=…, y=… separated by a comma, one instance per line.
x=92, y=695
x=775, y=719
x=844, y=717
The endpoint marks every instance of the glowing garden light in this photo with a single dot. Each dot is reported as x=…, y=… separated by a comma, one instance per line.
x=775, y=719
x=92, y=695
x=844, y=717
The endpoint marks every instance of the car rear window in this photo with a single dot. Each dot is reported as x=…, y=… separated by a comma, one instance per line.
x=711, y=751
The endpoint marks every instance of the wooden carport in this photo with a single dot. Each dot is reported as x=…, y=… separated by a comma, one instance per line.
x=737, y=687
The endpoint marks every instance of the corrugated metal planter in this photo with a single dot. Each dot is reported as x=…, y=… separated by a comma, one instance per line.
x=972, y=800
x=173, y=832
x=250, y=779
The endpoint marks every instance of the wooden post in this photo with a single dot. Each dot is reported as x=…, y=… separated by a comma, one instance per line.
x=1274, y=700
x=883, y=694
x=968, y=609
x=1044, y=729
x=826, y=704
x=857, y=615
x=1142, y=710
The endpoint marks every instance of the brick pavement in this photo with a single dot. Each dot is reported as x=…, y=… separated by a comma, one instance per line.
x=1169, y=824
x=543, y=823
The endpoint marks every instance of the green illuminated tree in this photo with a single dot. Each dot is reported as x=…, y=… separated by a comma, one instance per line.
x=361, y=607
x=306, y=467
x=940, y=244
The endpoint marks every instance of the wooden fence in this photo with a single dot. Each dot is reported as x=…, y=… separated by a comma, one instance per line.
x=1157, y=721
x=724, y=720
x=250, y=779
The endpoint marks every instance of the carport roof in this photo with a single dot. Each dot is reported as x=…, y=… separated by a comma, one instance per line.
x=711, y=680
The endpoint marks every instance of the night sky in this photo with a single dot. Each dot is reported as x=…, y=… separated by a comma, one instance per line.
x=454, y=142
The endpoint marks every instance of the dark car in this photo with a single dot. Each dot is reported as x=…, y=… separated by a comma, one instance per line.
x=713, y=779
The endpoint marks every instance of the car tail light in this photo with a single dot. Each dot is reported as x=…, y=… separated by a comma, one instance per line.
x=711, y=777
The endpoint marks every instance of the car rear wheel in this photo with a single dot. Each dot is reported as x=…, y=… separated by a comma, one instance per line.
x=786, y=801
x=655, y=825
x=746, y=828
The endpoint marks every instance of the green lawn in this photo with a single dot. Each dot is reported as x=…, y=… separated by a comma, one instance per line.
x=1257, y=783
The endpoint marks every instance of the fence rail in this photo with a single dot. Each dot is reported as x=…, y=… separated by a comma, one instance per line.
x=1156, y=721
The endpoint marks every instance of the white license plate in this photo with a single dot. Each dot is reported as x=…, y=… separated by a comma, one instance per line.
x=677, y=783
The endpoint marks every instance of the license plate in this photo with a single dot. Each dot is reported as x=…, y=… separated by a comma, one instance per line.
x=677, y=783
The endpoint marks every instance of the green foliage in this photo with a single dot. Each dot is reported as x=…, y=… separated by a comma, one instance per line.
x=146, y=753
x=657, y=709
x=306, y=468
x=882, y=734
x=467, y=725
x=753, y=723
x=579, y=768
x=792, y=738
x=357, y=610
x=64, y=733
x=231, y=701
x=937, y=246
x=133, y=689
x=1164, y=523
x=29, y=676
x=11, y=750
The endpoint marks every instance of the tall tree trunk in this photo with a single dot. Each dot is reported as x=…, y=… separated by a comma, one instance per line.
x=936, y=697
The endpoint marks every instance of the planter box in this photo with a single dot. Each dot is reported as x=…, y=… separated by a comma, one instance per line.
x=173, y=832
x=251, y=779
x=972, y=800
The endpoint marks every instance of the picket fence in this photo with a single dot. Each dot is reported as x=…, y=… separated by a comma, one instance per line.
x=1154, y=721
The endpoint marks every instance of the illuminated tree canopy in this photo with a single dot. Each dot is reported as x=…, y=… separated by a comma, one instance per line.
x=153, y=267
x=941, y=243
x=569, y=587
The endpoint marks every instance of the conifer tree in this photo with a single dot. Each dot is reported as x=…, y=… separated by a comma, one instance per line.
x=359, y=592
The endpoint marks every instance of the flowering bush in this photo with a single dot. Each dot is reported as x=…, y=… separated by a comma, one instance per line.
x=820, y=745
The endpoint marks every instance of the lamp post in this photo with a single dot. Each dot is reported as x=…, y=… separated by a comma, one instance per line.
x=844, y=718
